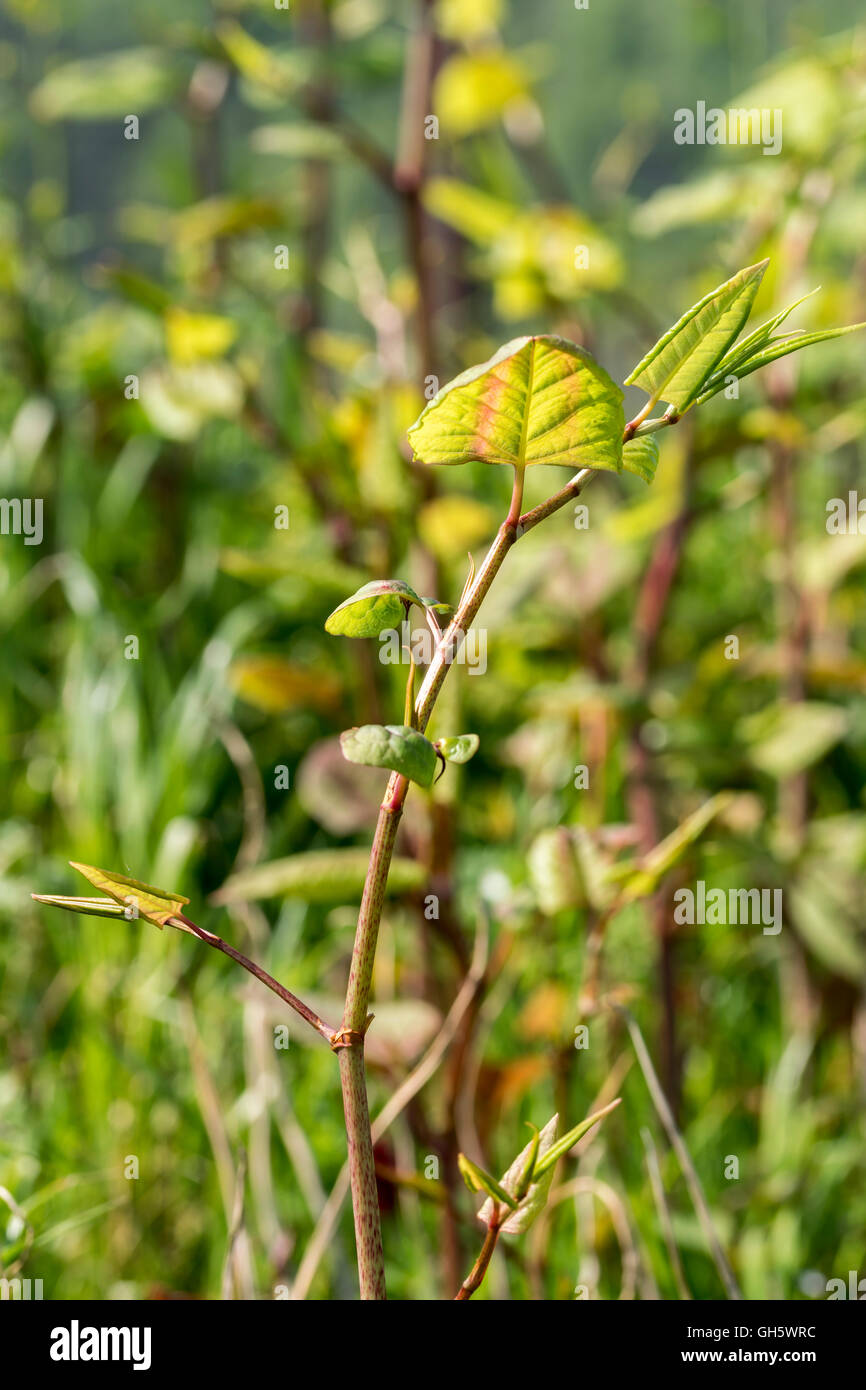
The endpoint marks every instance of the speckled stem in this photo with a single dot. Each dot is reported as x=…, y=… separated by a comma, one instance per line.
x=362, y=1168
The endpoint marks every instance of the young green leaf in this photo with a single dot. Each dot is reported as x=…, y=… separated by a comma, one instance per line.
x=153, y=904
x=458, y=749
x=537, y=400
x=89, y=907
x=548, y=1160
x=683, y=360
x=758, y=339
x=525, y=1180
x=536, y=1194
x=376, y=607
x=395, y=746
x=774, y=349
x=641, y=456
x=477, y=1180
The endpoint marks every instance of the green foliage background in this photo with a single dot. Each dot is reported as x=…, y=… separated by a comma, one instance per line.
x=263, y=388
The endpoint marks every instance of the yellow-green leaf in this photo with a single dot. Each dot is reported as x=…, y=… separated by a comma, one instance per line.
x=377, y=607
x=153, y=904
x=641, y=456
x=680, y=363
x=537, y=400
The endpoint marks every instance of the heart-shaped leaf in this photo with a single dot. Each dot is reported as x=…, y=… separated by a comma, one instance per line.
x=153, y=904
x=377, y=607
x=458, y=749
x=641, y=456
x=680, y=363
x=538, y=400
x=394, y=746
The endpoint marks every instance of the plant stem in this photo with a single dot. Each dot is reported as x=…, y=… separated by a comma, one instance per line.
x=362, y=1171
x=362, y=1168
x=473, y=1281
x=351, y=1044
x=286, y=995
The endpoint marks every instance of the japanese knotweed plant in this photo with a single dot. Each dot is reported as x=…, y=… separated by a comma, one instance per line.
x=538, y=400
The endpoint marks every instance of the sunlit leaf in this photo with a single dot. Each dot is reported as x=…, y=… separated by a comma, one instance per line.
x=394, y=746
x=154, y=904
x=775, y=348
x=679, y=364
x=458, y=749
x=538, y=400
x=377, y=607
x=641, y=456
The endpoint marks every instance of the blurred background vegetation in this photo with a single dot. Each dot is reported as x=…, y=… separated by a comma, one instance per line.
x=261, y=387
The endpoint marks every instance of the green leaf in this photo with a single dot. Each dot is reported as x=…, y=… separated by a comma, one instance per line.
x=89, y=907
x=529, y=1166
x=562, y=1146
x=376, y=607
x=153, y=904
x=755, y=341
x=319, y=876
x=776, y=348
x=394, y=746
x=537, y=400
x=641, y=456
x=458, y=749
x=477, y=1180
x=682, y=361
x=533, y=1202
